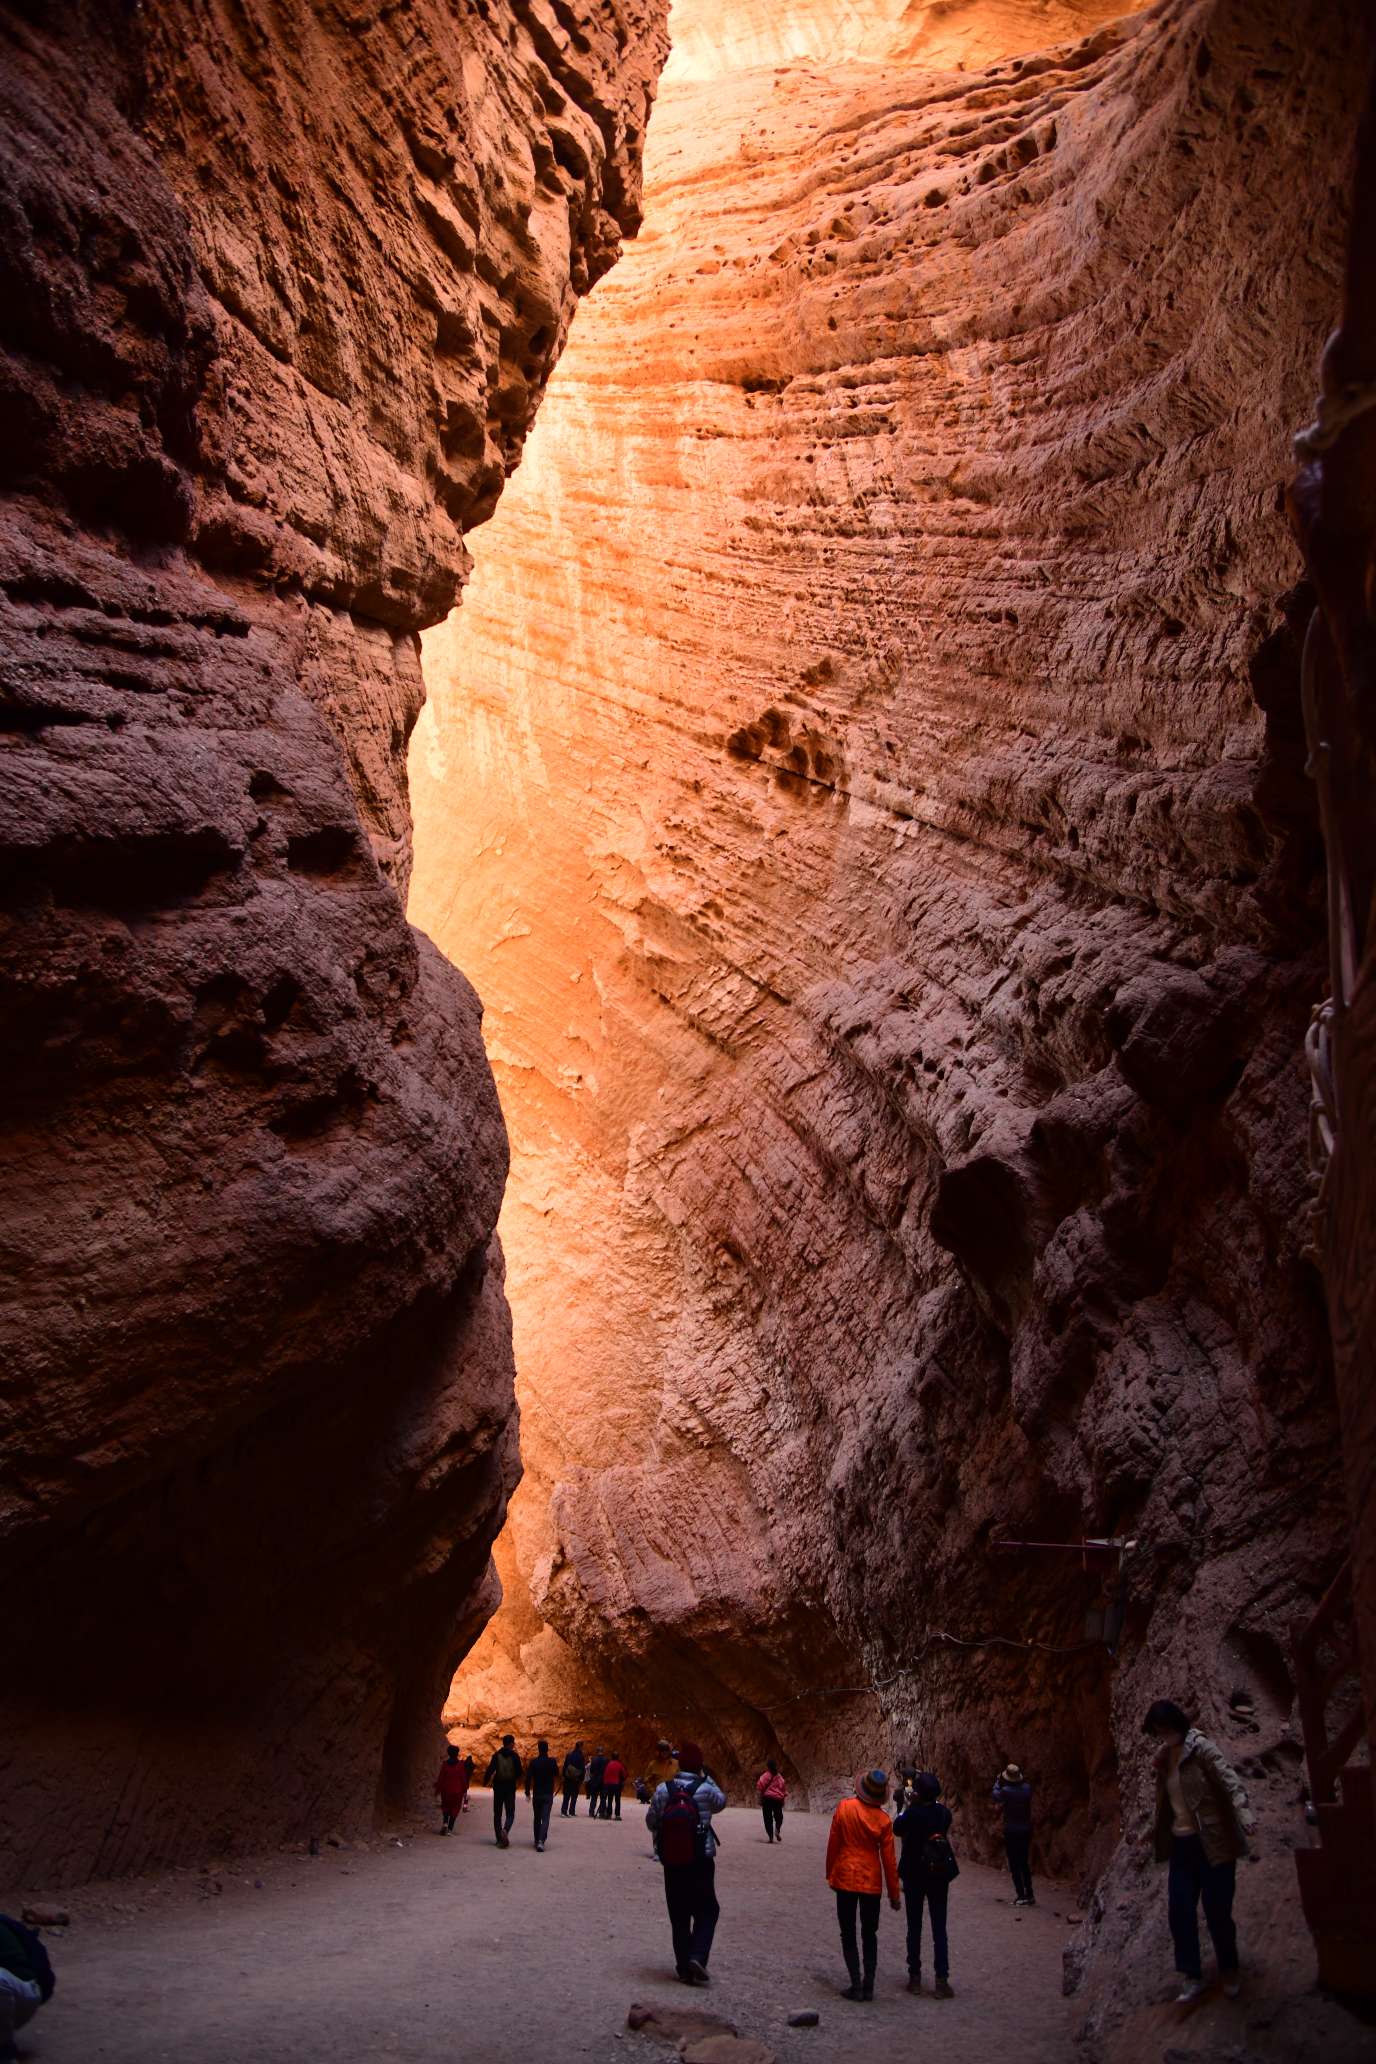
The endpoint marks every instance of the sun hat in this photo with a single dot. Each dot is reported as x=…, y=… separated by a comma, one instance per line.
x=872, y=1786
x=1012, y=1774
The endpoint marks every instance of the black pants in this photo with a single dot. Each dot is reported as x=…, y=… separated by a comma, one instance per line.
x=1193, y=1877
x=572, y=1787
x=866, y=1906
x=915, y=1892
x=503, y=1808
x=611, y=1802
x=449, y=1819
x=1018, y=1844
x=773, y=1811
x=594, y=1801
x=690, y=1893
x=541, y=1806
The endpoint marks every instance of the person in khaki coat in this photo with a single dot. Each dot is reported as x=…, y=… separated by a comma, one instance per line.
x=1203, y=1825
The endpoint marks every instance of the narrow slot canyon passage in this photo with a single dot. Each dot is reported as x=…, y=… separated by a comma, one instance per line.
x=844, y=784
x=685, y=864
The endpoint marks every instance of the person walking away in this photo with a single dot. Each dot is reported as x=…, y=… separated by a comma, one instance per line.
x=542, y=1775
x=26, y=1981
x=773, y=1790
x=1013, y=1794
x=452, y=1786
x=679, y=1818
x=468, y=1772
x=597, y=1770
x=1203, y=1824
x=860, y=1863
x=504, y=1774
x=613, y=1783
x=574, y=1769
x=926, y=1867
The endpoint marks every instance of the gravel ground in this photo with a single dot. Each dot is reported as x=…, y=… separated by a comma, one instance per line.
x=431, y=1951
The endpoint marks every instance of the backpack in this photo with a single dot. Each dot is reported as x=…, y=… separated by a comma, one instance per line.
x=936, y=1860
x=43, y=1974
x=508, y=1768
x=682, y=1828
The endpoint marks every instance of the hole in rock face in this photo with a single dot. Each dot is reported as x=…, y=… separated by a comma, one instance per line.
x=857, y=1253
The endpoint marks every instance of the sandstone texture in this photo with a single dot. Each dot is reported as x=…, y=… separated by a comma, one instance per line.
x=280, y=288
x=866, y=787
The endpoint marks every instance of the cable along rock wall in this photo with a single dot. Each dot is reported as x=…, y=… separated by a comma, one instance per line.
x=281, y=290
x=866, y=786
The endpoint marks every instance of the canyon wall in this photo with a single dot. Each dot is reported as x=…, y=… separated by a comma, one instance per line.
x=280, y=288
x=866, y=786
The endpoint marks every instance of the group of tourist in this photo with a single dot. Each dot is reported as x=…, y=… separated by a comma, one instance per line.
x=605, y=1777
x=1203, y=1824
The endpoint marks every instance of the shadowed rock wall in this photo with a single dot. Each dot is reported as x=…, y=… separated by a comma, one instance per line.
x=279, y=292
x=886, y=861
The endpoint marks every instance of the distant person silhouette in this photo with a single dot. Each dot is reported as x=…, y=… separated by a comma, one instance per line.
x=772, y=1789
x=596, y=1771
x=542, y=1775
x=613, y=1782
x=575, y=1767
x=1013, y=1794
x=452, y=1786
x=504, y=1774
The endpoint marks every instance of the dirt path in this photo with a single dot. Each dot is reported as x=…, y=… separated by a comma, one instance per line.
x=439, y=1951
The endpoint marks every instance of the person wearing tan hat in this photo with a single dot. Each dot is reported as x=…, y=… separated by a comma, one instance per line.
x=1013, y=1794
x=860, y=1863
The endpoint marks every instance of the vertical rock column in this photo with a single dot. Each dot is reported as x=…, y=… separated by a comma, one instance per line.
x=279, y=292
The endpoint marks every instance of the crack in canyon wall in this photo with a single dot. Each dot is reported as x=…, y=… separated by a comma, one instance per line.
x=280, y=288
x=866, y=787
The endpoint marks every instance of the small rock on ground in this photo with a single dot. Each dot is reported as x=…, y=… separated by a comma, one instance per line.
x=678, y=2024
x=727, y=2049
x=806, y=2017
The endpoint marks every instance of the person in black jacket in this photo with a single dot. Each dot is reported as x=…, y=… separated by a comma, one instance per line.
x=542, y=1774
x=504, y=1774
x=574, y=1767
x=1013, y=1793
x=925, y=1865
x=26, y=1980
x=596, y=1772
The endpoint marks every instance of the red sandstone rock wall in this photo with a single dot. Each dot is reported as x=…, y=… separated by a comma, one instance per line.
x=279, y=292
x=866, y=788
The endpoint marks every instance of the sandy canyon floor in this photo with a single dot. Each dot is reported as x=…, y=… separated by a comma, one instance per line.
x=445, y=1950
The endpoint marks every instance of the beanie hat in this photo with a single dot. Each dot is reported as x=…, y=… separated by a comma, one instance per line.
x=690, y=1756
x=927, y=1785
x=872, y=1786
x=1012, y=1775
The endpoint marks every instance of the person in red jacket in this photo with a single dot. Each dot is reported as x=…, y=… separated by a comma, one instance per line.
x=860, y=1863
x=613, y=1779
x=452, y=1786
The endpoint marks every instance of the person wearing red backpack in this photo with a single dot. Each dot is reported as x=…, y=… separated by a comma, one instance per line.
x=680, y=1819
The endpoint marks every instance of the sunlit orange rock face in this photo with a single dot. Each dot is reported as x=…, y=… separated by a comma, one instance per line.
x=864, y=784
x=279, y=291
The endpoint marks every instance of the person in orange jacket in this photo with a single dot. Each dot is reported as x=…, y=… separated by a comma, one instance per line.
x=860, y=1863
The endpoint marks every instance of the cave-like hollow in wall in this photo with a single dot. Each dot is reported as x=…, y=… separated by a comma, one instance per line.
x=864, y=786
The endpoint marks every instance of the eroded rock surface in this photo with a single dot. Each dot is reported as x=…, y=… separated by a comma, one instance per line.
x=279, y=292
x=867, y=790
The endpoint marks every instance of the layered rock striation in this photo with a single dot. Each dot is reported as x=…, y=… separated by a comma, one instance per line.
x=866, y=787
x=279, y=293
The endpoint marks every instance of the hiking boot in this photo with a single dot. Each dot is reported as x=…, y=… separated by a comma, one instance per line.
x=854, y=1992
x=867, y=1989
x=915, y=1982
x=698, y=1972
x=1232, y=1984
x=1193, y=1989
x=942, y=1989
